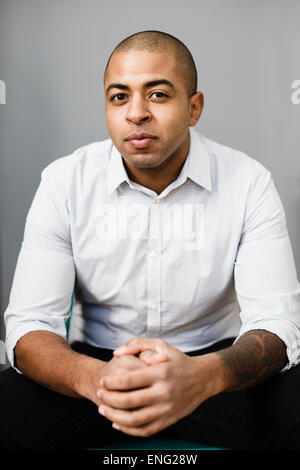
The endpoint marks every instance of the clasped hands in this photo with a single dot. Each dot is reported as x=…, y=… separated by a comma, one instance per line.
x=155, y=386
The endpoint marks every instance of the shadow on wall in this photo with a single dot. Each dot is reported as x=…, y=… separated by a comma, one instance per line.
x=3, y=361
x=2, y=92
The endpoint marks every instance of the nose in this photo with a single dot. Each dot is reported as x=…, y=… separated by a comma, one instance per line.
x=138, y=111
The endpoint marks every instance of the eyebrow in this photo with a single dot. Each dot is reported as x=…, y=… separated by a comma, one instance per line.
x=160, y=81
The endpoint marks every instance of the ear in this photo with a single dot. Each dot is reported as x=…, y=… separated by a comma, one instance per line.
x=196, y=106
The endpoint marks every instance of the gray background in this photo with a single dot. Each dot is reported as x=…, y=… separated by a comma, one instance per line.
x=52, y=56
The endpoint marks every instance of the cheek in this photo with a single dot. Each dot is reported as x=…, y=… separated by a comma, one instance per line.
x=114, y=121
x=172, y=117
x=174, y=125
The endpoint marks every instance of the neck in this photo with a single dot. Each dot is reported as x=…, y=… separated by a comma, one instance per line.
x=158, y=178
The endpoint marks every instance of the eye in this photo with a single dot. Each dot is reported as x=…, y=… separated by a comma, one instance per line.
x=118, y=97
x=159, y=95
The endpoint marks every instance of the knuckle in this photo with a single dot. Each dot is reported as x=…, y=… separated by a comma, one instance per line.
x=168, y=409
x=122, y=359
x=120, y=370
x=128, y=381
x=126, y=402
x=168, y=393
x=164, y=392
x=164, y=372
x=131, y=421
x=125, y=360
x=133, y=341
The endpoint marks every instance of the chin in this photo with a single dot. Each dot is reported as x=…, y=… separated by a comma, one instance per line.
x=143, y=161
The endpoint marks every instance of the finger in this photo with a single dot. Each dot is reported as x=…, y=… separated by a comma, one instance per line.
x=142, y=431
x=146, y=354
x=137, y=345
x=130, y=418
x=132, y=380
x=152, y=357
x=129, y=400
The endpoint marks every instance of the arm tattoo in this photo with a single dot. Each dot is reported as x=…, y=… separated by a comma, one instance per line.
x=255, y=357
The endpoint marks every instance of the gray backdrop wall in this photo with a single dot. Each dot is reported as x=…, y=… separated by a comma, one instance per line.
x=52, y=56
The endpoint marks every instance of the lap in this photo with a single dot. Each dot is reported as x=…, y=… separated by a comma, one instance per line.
x=35, y=417
x=264, y=416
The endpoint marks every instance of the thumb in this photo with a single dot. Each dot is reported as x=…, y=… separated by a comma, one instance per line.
x=137, y=345
x=153, y=357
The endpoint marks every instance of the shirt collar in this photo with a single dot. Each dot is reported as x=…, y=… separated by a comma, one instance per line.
x=199, y=169
x=116, y=171
x=196, y=167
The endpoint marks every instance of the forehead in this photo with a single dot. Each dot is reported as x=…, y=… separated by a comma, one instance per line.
x=140, y=66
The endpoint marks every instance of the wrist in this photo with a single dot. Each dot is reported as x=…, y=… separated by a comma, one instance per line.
x=87, y=376
x=211, y=368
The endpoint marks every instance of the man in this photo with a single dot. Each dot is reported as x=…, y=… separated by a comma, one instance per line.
x=183, y=269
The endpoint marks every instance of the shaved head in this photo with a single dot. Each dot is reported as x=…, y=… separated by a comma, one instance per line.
x=158, y=41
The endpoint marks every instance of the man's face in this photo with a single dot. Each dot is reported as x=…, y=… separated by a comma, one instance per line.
x=148, y=110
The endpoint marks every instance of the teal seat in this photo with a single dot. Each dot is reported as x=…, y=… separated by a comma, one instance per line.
x=149, y=443
x=154, y=443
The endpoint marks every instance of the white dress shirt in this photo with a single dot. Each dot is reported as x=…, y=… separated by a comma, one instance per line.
x=207, y=259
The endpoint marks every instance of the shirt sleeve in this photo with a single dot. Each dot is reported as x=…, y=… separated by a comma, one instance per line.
x=44, y=277
x=265, y=275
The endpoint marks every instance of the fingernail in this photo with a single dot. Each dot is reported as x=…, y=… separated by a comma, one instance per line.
x=99, y=393
x=119, y=350
x=102, y=410
x=116, y=426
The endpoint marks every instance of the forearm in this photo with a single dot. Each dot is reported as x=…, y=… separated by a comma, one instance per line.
x=254, y=358
x=49, y=360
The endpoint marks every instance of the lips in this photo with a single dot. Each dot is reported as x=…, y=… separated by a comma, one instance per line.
x=140, y=139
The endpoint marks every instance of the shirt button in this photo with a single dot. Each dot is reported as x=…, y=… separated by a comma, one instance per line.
x=155, y=254
x=154, y=307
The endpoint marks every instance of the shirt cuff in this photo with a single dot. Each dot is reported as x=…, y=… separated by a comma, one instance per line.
x=288, y=332
x=17, y=333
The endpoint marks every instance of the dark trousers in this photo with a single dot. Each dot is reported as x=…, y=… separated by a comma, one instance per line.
x=266, y=416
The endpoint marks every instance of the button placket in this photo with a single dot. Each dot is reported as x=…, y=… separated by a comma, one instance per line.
x=154, y=273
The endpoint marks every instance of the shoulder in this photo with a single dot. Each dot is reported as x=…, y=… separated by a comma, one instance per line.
x=235, y=163
x=91, y=158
